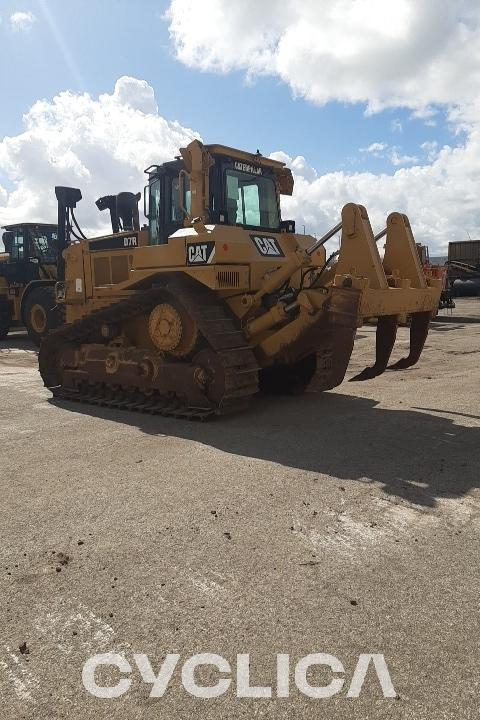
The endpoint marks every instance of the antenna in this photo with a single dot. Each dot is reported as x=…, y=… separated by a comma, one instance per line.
x=469, y=236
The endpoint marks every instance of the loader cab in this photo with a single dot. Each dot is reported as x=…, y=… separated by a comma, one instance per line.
x=32, y=252
x=219, y=184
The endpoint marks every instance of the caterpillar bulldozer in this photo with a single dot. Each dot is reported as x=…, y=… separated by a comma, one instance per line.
x=219, y=297
x=28, y=272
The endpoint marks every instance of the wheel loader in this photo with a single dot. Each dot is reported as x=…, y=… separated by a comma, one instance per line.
x=28, y=272
x=218, y=297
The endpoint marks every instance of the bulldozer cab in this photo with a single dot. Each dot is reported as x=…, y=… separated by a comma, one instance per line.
x=31, y=250
x=219, y=185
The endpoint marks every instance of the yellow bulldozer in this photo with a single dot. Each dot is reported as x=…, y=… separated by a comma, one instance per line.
x=28, y=272
x=218, y=297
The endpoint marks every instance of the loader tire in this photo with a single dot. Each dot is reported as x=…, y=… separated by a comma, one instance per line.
x=5, y=319
x=40, y=313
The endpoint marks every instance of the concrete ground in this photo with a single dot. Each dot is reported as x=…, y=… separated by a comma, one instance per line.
x=341, y=523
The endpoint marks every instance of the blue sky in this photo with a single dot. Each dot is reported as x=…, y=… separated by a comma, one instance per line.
x=108, y=39
x=288, y=76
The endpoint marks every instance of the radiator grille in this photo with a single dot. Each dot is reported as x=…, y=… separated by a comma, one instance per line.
x=101, y=269
x=119, y=264
x=227, y=279
x=110, y=270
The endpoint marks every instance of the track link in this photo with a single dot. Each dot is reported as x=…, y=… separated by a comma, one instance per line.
x=219, y=333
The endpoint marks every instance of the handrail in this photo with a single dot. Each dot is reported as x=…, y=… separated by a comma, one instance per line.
x=181, y=175
x=381, y=234
x=324, y=238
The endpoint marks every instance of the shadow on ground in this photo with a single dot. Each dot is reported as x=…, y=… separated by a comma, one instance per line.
x=10, y=355
x=18, y=340
x=414, y=455
x=453, y=322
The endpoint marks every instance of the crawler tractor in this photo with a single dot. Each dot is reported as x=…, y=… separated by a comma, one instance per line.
x=219, y=297
x=28, y=271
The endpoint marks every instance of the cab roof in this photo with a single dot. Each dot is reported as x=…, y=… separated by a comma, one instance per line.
x=29, y=225
x=245, y=156
x=282, y=173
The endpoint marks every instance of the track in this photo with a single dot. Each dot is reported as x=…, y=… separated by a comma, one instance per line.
x=233, y=376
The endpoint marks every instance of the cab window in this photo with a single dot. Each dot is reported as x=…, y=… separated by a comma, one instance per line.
x=18, y=248
x=154, y=212
x=251, y=200
x=44, y=245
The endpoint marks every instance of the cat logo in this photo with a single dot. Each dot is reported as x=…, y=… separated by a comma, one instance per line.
x=200, y=253
x=245, y=167
x=267, y=246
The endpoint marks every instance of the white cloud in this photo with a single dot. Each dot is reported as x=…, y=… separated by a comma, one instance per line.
x=430, y=149
x=299, y=165
x=136, y=93
x=382, y=150
x=375, y=149
x=411, y=53
x=440, y=198
x=22, y=21
x=416, y=54
x=426, y=113
x=397, y=159
x=101, y=145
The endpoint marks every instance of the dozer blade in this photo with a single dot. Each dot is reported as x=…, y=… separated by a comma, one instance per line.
x=385, y=340
x=419, y=325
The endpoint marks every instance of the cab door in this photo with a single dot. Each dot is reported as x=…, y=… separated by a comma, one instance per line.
x=20, y=268
x=166, y=214
x=174, y=214
x=155, y=211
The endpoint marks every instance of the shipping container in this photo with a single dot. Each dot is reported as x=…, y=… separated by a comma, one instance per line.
x=466, y=251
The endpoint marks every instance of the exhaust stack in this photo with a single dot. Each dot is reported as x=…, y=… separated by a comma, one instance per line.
x=67, y=199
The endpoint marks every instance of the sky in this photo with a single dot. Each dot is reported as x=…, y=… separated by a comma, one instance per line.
x=367, y=101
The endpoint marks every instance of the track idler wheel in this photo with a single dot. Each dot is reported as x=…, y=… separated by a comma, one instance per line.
x=420, y=322
x=385, y=337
